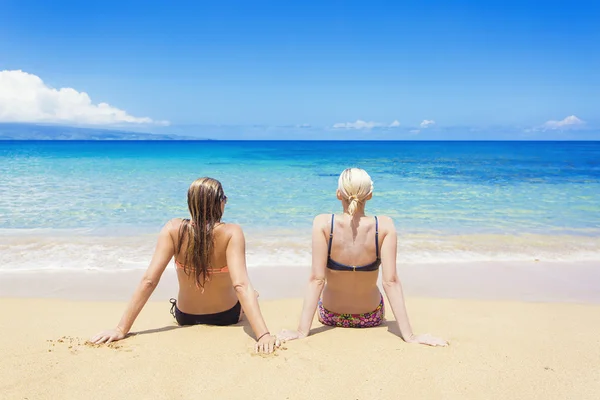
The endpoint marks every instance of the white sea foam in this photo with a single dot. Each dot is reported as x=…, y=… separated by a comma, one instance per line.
x=45, y=250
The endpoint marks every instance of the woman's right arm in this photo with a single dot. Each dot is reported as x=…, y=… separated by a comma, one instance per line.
x=316, y=282
x=236, y=261
x=394, y=293
x=163, y=253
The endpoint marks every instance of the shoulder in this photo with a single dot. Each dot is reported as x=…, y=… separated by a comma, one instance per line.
x=232, y=236
x=321, y=220
x=230, y=230
x=172, y=227
x=174, y=224
x=386, y=223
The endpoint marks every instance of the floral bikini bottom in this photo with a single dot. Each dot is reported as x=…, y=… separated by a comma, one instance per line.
x=365, y=320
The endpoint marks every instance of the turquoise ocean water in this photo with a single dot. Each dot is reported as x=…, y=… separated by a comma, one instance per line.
x=99, y=205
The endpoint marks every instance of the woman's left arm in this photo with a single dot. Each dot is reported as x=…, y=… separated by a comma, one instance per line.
x=165, y=249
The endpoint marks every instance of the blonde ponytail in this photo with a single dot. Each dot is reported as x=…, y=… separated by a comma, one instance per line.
x=352, y=205
x=355, y=185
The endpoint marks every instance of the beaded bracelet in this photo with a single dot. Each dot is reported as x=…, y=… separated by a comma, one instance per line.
x=261, y=336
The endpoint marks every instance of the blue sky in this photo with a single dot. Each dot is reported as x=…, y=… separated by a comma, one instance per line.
x=314, y=69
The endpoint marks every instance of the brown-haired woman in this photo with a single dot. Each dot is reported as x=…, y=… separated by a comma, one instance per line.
x=210, y=257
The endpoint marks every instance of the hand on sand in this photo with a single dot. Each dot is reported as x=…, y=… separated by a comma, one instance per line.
x=267, y=344
x=428, y=340
x=111, y=335
x=286, y=335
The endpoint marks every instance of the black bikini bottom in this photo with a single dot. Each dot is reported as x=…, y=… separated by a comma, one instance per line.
x=224, y=318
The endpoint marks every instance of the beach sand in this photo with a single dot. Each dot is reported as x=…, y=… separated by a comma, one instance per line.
x=499, y=350
x=516, y=332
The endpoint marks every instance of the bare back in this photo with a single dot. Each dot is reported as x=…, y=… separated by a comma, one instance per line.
x=352, y=244
x=218, y=293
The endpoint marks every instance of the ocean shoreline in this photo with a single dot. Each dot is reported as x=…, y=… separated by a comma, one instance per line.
x=66, y=250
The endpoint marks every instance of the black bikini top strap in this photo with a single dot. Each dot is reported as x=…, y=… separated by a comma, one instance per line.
x=377, y=236
x=330, y=237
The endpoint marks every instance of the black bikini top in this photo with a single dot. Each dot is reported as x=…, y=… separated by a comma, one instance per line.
x=336, y=266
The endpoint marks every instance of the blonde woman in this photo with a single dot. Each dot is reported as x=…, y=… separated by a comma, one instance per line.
x=210, y=260
x=347, y=252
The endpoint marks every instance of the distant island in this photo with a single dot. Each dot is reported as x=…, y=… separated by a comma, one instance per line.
x=24, y=131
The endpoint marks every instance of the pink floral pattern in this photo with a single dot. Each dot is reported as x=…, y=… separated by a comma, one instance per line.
x=366, y=320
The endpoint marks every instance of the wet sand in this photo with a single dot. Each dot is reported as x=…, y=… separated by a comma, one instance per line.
x=563, y=282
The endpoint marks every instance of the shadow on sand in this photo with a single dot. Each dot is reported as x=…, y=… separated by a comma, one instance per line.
x=155, y=330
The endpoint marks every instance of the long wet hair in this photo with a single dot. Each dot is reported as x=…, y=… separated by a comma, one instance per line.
x=204, y=202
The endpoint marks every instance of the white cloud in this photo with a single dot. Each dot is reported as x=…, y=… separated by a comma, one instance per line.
x=359, y=124
x=569, y=122
x=427, y=123
x=415, y=131
x=26, y=98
